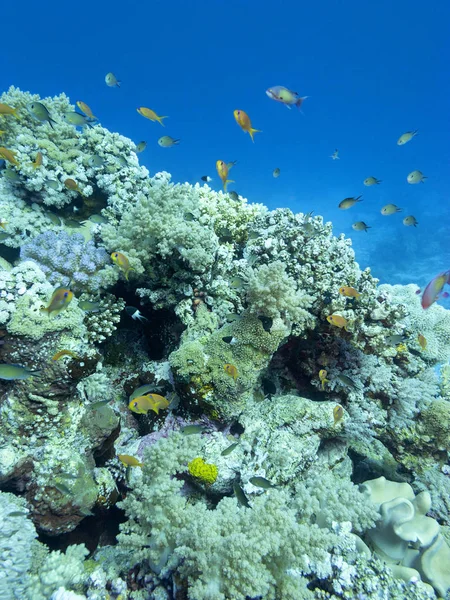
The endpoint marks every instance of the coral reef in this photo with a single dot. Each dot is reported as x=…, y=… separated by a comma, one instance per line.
x=283, y=392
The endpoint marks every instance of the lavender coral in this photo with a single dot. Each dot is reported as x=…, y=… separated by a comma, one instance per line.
x=70, y=260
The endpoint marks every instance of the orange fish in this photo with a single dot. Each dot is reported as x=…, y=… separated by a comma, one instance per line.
x=72, y=185
x=37, y=161
x=9, y=155
x=85, y=109
x=60, y=300
x=148, y=113
x=142, y=404
x=338, y=321
x=222, y=170
x=122, y=262
x=243, y=120
x=422, y=341
x=349, y=292
x=8, y=110
x=231, y=370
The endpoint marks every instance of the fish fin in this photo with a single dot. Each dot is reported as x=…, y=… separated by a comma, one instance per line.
x=287, y=106
x=15, y=114
x=160, y=120
x=118, y=83
x=252, y=131
x=226, y=183
x=300, y=101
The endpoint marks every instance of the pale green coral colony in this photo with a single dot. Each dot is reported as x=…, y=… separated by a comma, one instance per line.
x=299, y=505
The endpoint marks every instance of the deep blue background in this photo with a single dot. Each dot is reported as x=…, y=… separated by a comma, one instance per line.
x=373, y=70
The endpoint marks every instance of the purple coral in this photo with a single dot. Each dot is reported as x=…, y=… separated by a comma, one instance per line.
x=68, y=259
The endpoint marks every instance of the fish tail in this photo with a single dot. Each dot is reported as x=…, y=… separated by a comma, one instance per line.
x=14, y=112
x=118, y=83
x=226, y=183
x=300, y=101
x=252, y=131
x=160, y=120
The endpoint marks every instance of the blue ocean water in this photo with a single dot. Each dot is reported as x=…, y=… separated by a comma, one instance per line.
x=371, y=70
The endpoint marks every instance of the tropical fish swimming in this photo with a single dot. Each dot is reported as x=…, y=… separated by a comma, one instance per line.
x=335, y=155
x=416, y=177
x=360, y=226
x=276, y=173
x=111, y=80
x=222, y=170
x=9, y=155
x=86, y=110
x=371, y=181
x=287, y=97
x=405, y=137
x=6, y=110
x=129, y=461
x=40, y=113
x=323, y=377
x=349, y=292
x=150, y=114
x=231, y=370
x=122, y=262
x=61, y=298
x=243, y=120
x=410, y=221
x=142, y=404
x=12, y=372
x=390, y=209
x=349, y=202
x=338, y=321
x=166, y=141
x=433, y=290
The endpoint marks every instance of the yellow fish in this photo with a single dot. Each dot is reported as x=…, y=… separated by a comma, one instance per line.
x=349, y=292
x=338, y=413
x=37, y=161
x=9, y=155
x=148, y=113
x=231, y=370
x=142, y=404
x=60, y=300
x=422, y=341
x=338, y=321
x=62, y=353
x=127, y=460
x=8, y=110
x=222, y=170
x=72, y=185
x=122, y=262
x=85, y=109
x=243, y=120
x=323, y=377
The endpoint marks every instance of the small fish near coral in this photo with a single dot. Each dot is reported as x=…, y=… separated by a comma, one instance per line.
x=60, y=300
x=142, y=404
x=433, y=291
x=231, y=370
x=222, y=170
x=15, y=372
x=122, y=262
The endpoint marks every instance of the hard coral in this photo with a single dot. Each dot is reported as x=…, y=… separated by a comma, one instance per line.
x=71, y=261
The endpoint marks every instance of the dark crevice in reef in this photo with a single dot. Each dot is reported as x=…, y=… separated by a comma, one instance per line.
x=99, y=529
